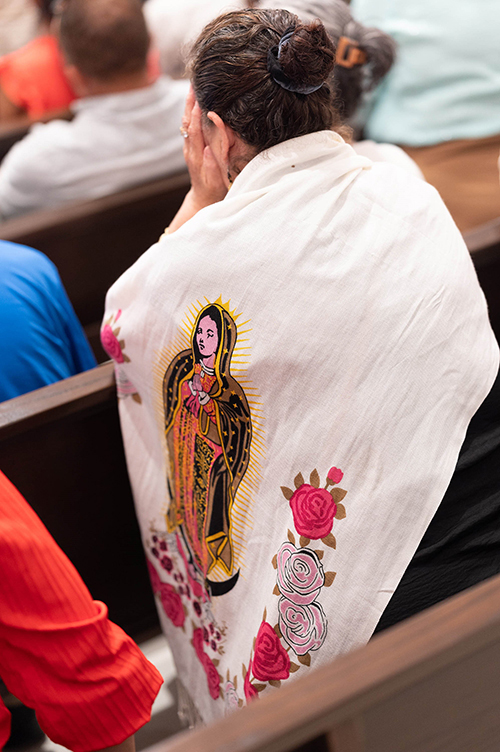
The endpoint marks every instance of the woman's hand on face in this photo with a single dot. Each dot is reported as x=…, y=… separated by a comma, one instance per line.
x=207, y=183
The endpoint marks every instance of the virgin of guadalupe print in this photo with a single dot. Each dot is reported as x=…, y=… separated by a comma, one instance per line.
x=208, y=431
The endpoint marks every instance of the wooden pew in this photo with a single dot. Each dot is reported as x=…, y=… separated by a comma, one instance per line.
x=430, y=684
x=61, y=446
x=93, y=242
x=484, y=245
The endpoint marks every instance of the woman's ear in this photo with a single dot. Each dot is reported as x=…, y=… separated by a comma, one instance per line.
x=222, y=141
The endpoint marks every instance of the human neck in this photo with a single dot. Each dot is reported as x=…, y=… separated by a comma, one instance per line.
x=95, y=87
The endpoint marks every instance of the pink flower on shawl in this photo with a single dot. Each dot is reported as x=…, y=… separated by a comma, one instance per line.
x=213, y=678
x=270, y=661
x=300, y=574
x=313, y=511
x=154, y=577
x=111, y=344
x=250, y=691
x=335, y=475
x=303, y=627
x=172, y=604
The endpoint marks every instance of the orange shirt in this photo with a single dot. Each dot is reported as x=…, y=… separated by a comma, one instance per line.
x=32, y=77
x=88, y=682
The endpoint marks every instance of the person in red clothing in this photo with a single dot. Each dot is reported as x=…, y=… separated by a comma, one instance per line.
x=89, y=683
x=32, y=79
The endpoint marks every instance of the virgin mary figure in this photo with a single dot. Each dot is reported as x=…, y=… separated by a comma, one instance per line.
x=208, y=431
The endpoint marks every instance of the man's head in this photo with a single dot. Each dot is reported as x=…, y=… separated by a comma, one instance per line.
x=105, y=44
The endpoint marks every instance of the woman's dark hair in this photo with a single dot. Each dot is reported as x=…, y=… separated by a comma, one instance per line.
x=379, y=49
x=230, y=75
x=213, y=313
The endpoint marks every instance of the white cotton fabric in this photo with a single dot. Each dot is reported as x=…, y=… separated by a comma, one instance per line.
x=113, y=142
x=369, y=348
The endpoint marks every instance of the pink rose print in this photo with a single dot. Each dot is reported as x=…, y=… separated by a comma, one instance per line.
x=303, y=627
x=213, y=678
x=313, y=511
x=111, y=344
x=335, y=475
x=172, y=604
x=300, y=574
x=270, y=661
x=248, y=688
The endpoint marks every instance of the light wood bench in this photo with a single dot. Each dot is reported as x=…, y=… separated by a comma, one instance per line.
x=61, y=446
x=93, y=242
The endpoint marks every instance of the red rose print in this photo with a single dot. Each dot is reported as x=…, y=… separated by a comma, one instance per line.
x=248, y=688
x=213, y=678
x=172, y=604
x=154, y=577
x=335, y=475
x=270, y=661
x=313, y=511
x=111, y=344
x=198, y=643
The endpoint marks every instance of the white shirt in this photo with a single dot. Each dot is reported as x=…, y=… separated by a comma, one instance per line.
x=114, y=141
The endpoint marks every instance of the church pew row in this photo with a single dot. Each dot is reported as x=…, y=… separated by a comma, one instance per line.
x=429, y=684
x=61, y=446
x=484, y=245
x=93, y=242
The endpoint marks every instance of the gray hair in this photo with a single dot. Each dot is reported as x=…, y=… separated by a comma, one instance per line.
x=379, y=47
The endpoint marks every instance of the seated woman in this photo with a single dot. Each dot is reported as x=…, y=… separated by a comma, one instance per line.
x=32, y=80
x=298, y=359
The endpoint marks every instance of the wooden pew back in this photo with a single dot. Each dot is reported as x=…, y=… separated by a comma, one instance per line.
x=93, y=242
x=484, y=246
x=61, y=446
x=430, y=684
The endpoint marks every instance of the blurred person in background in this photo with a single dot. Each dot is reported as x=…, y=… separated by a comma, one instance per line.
x=441, y=100
x=18, y=24
x=364, y=55
x=126, y=125
x=41, y=339
x=32, y=79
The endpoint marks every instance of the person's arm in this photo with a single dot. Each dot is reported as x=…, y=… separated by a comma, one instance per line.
x=207, y=184
x=89, y=683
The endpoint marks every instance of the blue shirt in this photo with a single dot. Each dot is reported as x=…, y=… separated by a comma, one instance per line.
x=445, y=83
x=41, y=339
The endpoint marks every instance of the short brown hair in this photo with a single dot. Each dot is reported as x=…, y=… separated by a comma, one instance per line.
x=230, y=75
x=104, y=39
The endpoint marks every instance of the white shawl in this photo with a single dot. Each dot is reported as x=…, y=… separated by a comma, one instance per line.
x=363, y=351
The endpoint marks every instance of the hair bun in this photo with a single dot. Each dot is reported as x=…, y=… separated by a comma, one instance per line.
x=308, y=55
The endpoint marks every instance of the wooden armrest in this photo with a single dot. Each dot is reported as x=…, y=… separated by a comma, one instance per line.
x=80, y=392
